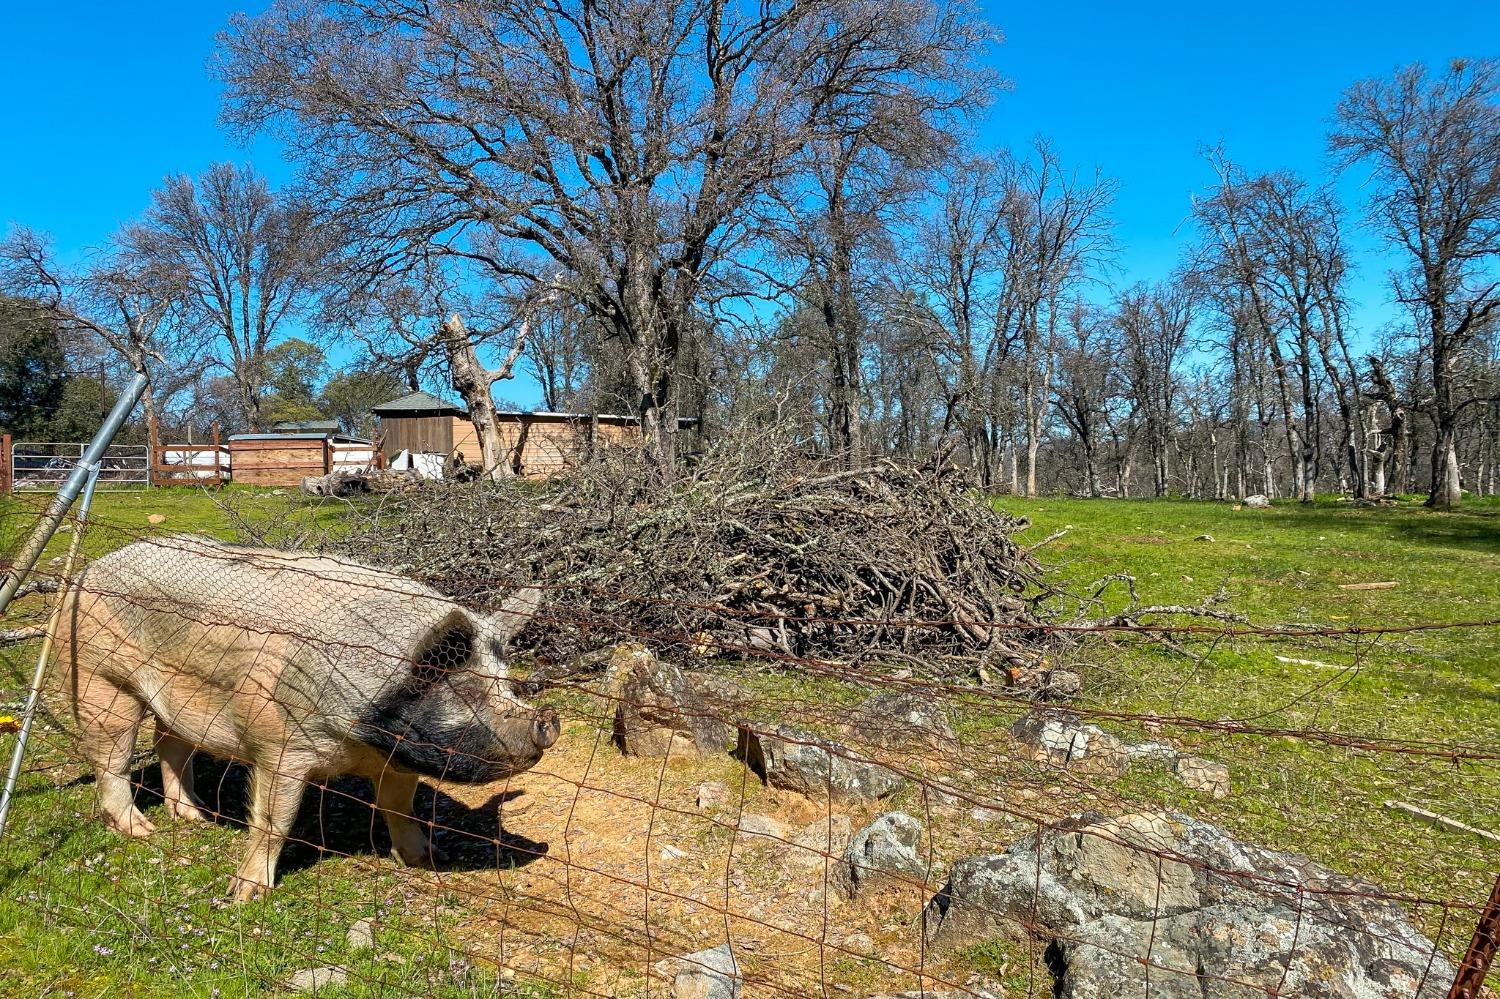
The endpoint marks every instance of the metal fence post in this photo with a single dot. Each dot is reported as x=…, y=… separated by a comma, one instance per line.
x=28, y=714
x=7, y=466
x=31, y=549
x=1469, y=981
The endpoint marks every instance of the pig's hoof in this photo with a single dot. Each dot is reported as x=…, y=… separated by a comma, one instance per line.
x=428, y=857
x=246, y=890
x=132, y=824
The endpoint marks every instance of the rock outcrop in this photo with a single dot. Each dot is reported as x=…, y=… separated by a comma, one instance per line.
x=886, y=849
x=903, y=720
x=658, y=712
x=1060, y=739
x=1174, y=908
x=708, y=974
x=800, y=761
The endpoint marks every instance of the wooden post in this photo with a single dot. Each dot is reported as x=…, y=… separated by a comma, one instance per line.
x=153, y=443
x=218, y=474
x=7, y=466
x=327, y=456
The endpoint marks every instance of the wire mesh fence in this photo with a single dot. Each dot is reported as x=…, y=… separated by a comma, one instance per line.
x=267, y=770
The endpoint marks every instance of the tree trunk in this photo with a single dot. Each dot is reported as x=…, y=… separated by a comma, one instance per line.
x=472, y=381
x=1447, y=488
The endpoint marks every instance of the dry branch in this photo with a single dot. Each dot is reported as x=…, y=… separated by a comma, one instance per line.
x=759, y=550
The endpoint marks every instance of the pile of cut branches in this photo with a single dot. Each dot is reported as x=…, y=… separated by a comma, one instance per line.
x=757, y=550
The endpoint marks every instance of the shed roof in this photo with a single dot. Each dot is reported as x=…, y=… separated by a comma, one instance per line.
x=417, y=402
x=682, y=421
x=306, y=427
x=336, y=438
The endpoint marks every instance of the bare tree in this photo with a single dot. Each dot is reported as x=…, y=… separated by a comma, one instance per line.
x=1433, y=144
x=1153, y=323
x=882, y=99
x=248, y=259
x=953, y=278
x=127, y=299
x=1087, y=385
x=1055, y=227
x=623, y=144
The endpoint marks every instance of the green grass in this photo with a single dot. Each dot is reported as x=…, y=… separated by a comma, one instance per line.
x=83, y=914
x=1284, y=566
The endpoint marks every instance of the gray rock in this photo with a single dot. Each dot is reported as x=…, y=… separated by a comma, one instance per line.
x=902, y=720
x=887, y=848
x=708, y=974
x=1214, y=916
x=1208, y=776
x=1153, y=751
x=1059, y=739
x=1061, y=685
x=659, y=713
x=1258, y=501
x=315, y=980
x=859, y=944
x=361, y=935
x=800, y=761
x=715, y=795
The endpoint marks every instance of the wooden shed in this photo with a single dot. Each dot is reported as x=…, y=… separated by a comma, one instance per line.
x=285, y=459
x=419, y=423
x=541, y=444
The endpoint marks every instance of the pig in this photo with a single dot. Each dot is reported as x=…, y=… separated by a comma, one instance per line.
x=305, y=667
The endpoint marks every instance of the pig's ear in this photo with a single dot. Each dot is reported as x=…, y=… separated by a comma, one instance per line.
x=517, y=612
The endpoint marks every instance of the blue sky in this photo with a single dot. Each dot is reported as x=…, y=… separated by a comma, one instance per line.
x=101, y=100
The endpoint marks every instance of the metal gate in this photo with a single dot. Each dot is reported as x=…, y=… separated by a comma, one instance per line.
x=46, y=464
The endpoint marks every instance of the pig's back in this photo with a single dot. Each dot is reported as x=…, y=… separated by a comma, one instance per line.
x=317, y=635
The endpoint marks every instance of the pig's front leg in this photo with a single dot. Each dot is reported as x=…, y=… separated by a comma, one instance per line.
x=411, y=840
x=274, y=798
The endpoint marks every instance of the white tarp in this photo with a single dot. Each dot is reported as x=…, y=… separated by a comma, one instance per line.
x=428, y=466
x=201, y=457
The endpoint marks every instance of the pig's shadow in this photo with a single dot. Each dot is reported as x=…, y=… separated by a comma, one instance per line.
x=340, y=819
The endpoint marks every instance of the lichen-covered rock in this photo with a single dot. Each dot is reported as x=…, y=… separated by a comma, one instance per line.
x=887, y=848
x=808, y=764
x=708, y=974
x=903, y=720
x=1258, y=501
x=1059, y=739
x=658, y=712
x=1210, y=915
x=1208, y=776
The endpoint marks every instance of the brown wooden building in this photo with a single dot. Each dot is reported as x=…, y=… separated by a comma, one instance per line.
x=540, y=444
x=284, y=459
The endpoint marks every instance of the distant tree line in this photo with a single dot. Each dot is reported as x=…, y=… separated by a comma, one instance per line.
x=776, y=212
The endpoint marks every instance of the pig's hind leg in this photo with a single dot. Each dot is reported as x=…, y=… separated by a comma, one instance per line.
x=411, y=840
x=109, y=718
x=177, y=775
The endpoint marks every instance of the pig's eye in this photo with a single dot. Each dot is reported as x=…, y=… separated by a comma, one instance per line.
x=449, y=654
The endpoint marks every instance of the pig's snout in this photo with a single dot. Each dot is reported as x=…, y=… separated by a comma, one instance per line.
x=545, y=728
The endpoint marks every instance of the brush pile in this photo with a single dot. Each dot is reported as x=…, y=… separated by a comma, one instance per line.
x=757, y=550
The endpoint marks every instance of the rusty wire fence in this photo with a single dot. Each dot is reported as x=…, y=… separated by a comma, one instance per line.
x=264, y=772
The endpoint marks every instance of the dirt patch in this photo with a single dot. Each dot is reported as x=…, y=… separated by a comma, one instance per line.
x=608, y=866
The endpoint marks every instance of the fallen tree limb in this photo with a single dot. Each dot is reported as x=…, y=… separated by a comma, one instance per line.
x=18, y=635
x=1440, y=820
